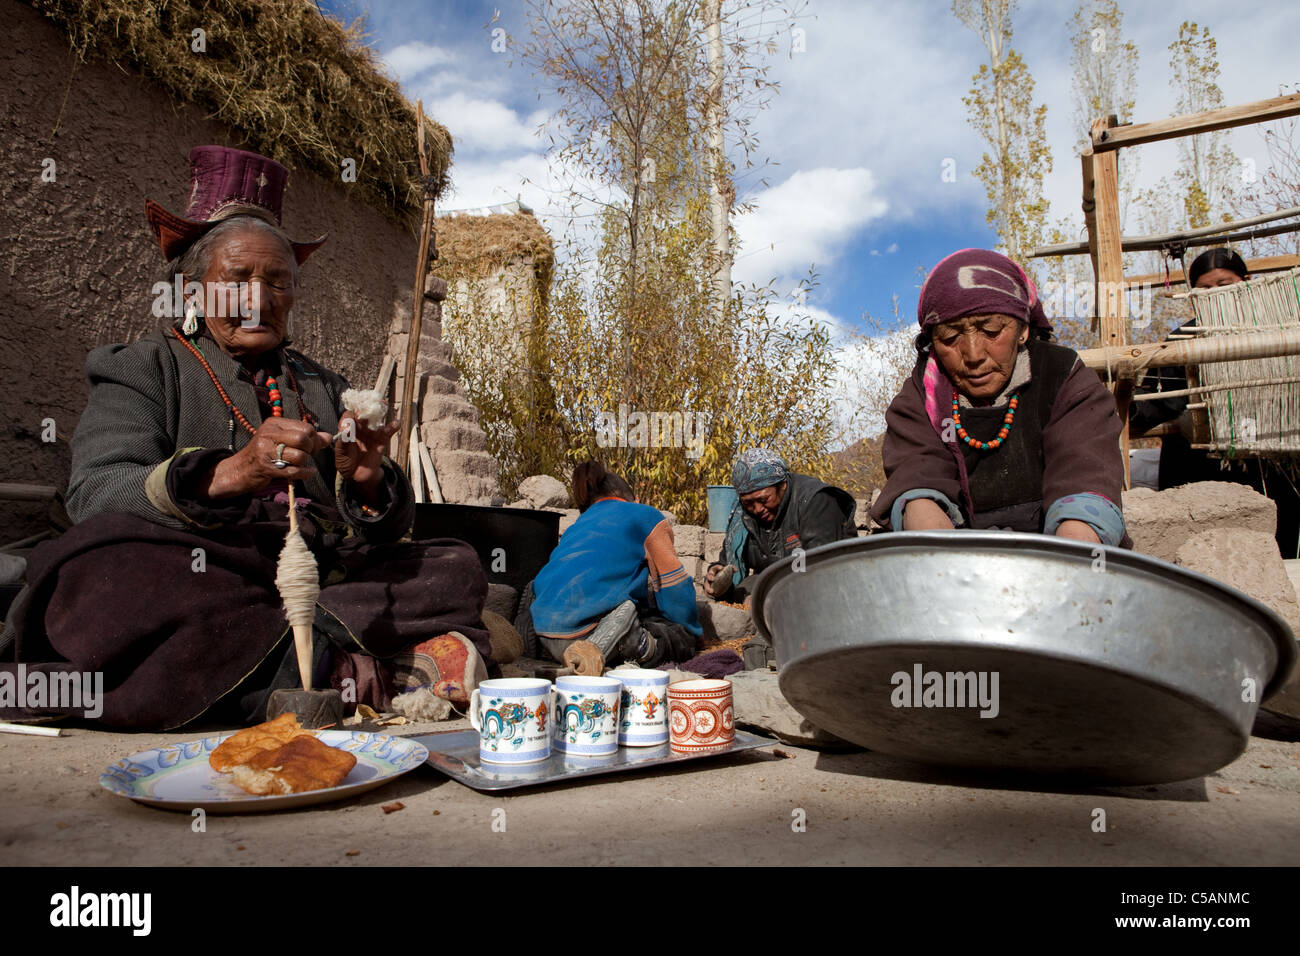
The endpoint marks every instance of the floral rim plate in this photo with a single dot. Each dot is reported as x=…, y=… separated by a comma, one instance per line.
x=178, y=776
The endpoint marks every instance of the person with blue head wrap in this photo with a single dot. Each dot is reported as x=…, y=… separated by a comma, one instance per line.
x=778, y=512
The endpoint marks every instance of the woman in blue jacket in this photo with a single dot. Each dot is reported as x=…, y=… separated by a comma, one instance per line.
x=614, y=580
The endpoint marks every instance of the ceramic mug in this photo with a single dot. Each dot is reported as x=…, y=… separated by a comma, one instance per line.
x=513, y=718
x=586, y=715
x=643, y=713
x=700, y=715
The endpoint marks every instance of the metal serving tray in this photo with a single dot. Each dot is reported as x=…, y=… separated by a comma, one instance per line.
x=455, y=753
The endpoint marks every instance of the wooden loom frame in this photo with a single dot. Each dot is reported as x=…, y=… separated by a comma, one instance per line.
x=1100, y=166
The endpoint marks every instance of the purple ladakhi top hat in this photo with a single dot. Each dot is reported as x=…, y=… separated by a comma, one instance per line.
x=224, y=182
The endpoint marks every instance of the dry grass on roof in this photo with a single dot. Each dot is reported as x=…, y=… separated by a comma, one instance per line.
x=478, y=245
x=302, y=88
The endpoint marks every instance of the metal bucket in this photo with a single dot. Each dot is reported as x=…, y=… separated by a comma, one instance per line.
x=1111, y=666
x=722, y=499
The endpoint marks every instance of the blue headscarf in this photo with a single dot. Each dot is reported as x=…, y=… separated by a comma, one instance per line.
x=753, y=469
x=757, y=468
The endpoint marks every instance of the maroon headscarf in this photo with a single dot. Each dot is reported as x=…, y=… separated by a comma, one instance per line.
x=970, y=282
x=978, y=282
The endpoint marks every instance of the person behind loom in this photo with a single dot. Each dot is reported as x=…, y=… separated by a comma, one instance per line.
x=1180, y=463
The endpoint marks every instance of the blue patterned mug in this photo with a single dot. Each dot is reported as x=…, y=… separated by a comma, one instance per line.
x=513, y=718
x=643, y=710
x=586, y=715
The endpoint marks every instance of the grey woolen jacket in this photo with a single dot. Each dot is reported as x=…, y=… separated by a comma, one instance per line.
x=152, y=402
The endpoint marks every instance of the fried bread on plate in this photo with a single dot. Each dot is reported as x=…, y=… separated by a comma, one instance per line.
x=271, y=735
x=304, y=763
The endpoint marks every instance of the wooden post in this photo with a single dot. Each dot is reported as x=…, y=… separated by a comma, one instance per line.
x=1111, y=304
x=1110, y=256
x=409, y=418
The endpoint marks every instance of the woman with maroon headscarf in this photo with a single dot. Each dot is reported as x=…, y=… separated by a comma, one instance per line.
x=997, y=427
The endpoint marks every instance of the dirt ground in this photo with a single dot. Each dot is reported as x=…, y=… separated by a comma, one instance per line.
x=857, y=808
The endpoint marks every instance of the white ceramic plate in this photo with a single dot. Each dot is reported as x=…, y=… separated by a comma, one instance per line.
x=179, y=777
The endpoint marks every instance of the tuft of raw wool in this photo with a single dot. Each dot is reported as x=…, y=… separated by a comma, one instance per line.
x=367, y=404
x=421, y=704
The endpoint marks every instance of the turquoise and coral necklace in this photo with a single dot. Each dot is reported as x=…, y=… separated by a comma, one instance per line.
x=1003, y=432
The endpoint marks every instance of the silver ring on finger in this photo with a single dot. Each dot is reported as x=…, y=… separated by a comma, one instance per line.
x=279, y=461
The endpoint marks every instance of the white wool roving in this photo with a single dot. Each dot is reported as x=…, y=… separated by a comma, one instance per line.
x=367, y=404
x=296, y=580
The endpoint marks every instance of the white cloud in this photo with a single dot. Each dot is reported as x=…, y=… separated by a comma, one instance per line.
x=482, y=125
x=868, y=374
x=879, y=86
x=488, y=183
x=893, y=247
x=411, y=59
x=805, y=220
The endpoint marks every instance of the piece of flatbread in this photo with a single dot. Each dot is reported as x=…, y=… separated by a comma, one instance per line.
x=238, y=748
x=302, y=764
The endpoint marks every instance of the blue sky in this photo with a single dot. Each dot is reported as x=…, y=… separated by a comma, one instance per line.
x=866, y=116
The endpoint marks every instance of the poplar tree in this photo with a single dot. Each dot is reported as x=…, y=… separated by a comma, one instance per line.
x=1206, y=163
x=1103, y=82
x=1275, y=183
x=1002, y=111
x=631, y=318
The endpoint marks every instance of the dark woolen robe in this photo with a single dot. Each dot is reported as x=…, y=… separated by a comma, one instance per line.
x=1068, y=445
x=174, y=629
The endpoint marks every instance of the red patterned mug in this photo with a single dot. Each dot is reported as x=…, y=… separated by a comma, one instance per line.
x=700, y=715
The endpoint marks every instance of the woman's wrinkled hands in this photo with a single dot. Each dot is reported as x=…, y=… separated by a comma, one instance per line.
x=252, y=468
x=359, y=452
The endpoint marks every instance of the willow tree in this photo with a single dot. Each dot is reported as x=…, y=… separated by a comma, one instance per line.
x=1001, y=109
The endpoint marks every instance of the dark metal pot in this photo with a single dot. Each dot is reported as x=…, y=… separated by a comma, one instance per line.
x=512, y=543
x=1112, y=666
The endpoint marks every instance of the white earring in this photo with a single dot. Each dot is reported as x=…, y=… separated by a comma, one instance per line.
x=288, y=325
x=193, y=312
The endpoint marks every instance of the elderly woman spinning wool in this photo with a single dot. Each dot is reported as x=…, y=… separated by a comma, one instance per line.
x=997, y=427
x=181, y=465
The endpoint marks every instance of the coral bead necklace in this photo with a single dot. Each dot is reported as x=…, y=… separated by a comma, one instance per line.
x=1003, y=432
x=277, y=406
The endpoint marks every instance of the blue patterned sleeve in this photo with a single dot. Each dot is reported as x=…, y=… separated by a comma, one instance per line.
x=1096, y=511
x=938, y=497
